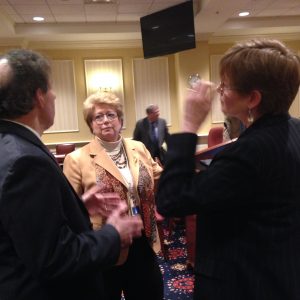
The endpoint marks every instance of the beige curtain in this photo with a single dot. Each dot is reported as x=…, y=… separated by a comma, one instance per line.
x=151, y=86
x=66, y=118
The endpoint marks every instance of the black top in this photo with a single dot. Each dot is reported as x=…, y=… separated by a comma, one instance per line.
x=248, y=210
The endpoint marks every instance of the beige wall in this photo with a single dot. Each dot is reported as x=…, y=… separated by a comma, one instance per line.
x=191, y=62
x=127, y=56
x=181, y=65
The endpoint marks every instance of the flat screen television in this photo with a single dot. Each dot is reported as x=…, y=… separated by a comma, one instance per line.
x=168, y=31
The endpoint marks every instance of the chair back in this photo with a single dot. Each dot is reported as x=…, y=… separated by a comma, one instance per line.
x=64, y=148
x=215, y=136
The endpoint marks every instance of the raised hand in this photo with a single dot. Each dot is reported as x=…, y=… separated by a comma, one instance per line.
x=197, y=105
x=97, y=201
x=128, y=227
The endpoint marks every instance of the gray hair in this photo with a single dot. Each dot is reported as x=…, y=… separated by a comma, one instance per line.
x=150, y=108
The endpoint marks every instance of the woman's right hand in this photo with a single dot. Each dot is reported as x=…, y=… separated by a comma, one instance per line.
x=197, y=105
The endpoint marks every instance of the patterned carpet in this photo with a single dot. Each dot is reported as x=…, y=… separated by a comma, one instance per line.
x=178, y=278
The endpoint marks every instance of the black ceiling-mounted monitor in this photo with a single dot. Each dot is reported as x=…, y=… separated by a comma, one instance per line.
x=168, y=31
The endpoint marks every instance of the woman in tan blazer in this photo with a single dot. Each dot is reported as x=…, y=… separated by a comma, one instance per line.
x=126, y=167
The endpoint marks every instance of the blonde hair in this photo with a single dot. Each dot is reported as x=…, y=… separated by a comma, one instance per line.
x=107, y=98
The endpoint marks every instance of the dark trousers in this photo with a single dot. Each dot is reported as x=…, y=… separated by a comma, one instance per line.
x=139, y=277
x=159, y=152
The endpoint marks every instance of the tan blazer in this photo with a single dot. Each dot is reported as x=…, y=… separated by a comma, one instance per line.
x=89, y=164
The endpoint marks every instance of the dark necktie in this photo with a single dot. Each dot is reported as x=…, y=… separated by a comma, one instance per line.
x=153, y=133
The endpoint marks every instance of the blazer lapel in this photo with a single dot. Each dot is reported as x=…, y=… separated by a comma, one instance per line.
x=133, y=160
x=101, y=158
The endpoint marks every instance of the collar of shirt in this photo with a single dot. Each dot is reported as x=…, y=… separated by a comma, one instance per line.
x=26, y=126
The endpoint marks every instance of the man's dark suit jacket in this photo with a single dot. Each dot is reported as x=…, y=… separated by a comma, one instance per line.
x=142, y=133
x=47, y=248
x=248, y=211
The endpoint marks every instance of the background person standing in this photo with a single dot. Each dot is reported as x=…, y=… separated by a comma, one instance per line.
x=233, y=127
x=153, y=132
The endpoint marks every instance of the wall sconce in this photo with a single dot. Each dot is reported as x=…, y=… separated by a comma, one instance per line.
x=104, y=75
x=105, y=89
x=104, y=82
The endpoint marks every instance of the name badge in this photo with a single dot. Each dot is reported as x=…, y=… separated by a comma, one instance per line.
x=135, y=210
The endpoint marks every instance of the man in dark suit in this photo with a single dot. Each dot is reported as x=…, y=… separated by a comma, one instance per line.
x=153, y=132
x=47, y=248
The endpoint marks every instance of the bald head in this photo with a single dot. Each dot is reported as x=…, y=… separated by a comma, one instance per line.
x=22, y=73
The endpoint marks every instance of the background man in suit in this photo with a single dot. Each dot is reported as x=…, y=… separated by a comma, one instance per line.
x=47, y=249
x=233, y=128
x=153, y=132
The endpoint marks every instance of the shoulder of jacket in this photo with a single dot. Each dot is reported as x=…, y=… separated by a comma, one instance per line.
x=131, y=142
x=134, y=144
x=80, y=152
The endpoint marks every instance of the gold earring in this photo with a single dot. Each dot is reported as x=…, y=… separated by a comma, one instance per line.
x=250, y=117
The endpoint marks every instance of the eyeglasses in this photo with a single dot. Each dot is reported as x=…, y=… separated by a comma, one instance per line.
x=222, y=88
x=110, y=116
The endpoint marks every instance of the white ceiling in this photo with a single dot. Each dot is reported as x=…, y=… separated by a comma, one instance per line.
x=83, y=22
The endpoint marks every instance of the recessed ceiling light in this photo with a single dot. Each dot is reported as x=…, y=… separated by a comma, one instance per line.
x=244, y=13
x=38, y=19
x=99, y=1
